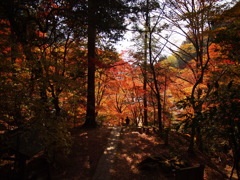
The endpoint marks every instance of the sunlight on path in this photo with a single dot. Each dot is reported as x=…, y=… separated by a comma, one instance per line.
x=106, y=161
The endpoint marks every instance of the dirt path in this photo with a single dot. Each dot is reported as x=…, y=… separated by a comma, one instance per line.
x=132, y=149
x=106, y=161
x=114, y=153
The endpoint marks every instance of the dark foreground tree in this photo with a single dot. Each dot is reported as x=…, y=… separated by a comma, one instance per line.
x=90, y=116
x=105, y=18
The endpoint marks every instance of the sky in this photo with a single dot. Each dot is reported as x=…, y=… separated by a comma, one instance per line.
x=127, y=44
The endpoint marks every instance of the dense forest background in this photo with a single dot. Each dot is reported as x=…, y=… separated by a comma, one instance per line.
x=59, y=69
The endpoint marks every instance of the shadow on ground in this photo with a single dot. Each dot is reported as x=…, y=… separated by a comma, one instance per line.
x=134, y=147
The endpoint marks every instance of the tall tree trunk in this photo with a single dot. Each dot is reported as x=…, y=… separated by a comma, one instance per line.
x=155, y=81
x=90, y=116
x=159, y=106
x=145, y=118
x=164, y=113
x=193, y=133
x=164, y=116
x=56, y=105
x=199, y=140
x=196, y=130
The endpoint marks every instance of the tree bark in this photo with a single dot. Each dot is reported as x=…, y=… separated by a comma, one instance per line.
x=159, y=106
x=145, y=115
x=156, y=86
x=90, y=115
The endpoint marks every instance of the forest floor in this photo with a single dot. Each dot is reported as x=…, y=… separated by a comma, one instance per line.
x=132, y=148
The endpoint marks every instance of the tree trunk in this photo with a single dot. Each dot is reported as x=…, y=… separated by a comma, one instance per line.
x=197, y=111
x=199, y=140
x=56, y=105
x=145, y=118
x=191, y=144
x=196, y=130
x=90, y=116
x=164, y=116
x=159, y=106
